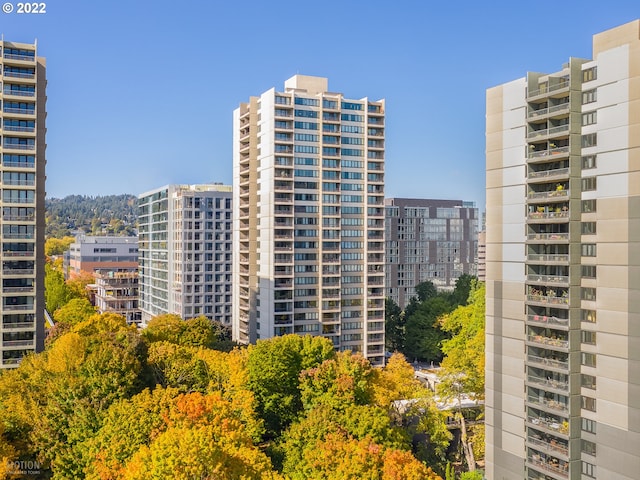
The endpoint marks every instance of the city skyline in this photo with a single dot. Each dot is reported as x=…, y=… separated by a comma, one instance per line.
x=177, y=72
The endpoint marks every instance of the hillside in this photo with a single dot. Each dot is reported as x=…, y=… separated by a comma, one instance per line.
x=100, y=215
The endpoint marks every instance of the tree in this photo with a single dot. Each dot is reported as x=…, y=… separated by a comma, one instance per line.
x=396, y=381
x=394, y=326
x=57, y=246
x=464, y=285
x=56, y=293
x=198, y=332
x=77, y=285
x=463, y=365
x=423, y=332
x=338, y=382
x=426, y=291
x=273, y=368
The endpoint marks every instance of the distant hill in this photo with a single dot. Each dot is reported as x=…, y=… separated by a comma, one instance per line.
x=100, y=215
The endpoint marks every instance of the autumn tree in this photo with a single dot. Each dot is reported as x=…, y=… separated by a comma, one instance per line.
x=57, y=246
x=197, y=332
x=394, y=325
x=463, y=365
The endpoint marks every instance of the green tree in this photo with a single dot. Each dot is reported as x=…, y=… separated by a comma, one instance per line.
x=464, y=285
x=56, y=292
x=273, y=368
x=394, y=326
x=57, y=246
x=463, y=365
x=426, y=291
x=423, y=333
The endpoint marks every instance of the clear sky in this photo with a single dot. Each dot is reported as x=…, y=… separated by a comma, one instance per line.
x=141, y=93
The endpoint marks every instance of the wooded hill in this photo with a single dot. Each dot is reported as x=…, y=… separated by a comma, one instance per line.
x=99, y=215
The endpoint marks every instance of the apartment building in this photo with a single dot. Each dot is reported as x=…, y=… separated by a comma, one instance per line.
x=185, y=252
x=22, y=150
x=116, y=291
x=563, y=268
x=428, y=240
x=88, y=254
x=308, y=177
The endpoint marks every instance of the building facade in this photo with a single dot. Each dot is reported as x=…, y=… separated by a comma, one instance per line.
x=116, y=291
x=308, y=176
x=22, y=150
x=563, y=268
x=88, y=254
x=185, y=252
x=428, y=240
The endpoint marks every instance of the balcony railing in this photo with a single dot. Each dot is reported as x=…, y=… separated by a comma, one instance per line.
x=7, y=73
x=560, y=258
x=555, y=279
x=19, y=164
x=550, y=362
x=548, y=131
x=548, y=383
x=561, y=468
x=548, y=215
x=547, y=341
x=551, y=446
x=549, y=423
x=19, y=93
x=550, y=404
x=18, y=325
x=551, y=300
x=18, y=343
x=19, y=111
x=22, y=58
x=552, y=151
x=548, y=320
x=17, y=271
x=11, y=308
x=548, y=236
x=13, y=128
x=548, y=173
x=548, y=89
x=549, y=194
x=19, y=146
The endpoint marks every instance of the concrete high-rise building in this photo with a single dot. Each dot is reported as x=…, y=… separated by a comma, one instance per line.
x=116, y=291
x=185, y=252
x=563, y=268
x=428, y=240
x=308, y=177
x=22, y=148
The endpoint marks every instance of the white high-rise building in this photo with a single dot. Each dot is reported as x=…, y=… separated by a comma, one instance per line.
x=308, y=177
x=22, y=150
x=185, y=252
x=563, y=268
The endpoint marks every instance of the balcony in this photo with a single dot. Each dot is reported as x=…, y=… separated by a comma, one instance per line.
x=548, y=89
x=553, y=465
x=550, y=424
x=18, y=93
x=19, y=326
x=548, y=299
x=548, y=132
x=22, y=75
x=548, y=258
x=548, y=320
x=547, y=384
x=543, y=155
x=18, y=271
x=19, y=111
x=26, y=289
x=543, y=112
x=548, y=174
x=548, y=341
x=552, y=362
x=19, y=146
x=555, y=407
x=559, y=237
x=548, y=279
x=20, y=58
x=549, y=445
x=562, y=215
x=549, y=195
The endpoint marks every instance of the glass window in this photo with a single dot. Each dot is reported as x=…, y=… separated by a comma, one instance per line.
x=588, y=228
x=588, y=337
x=589, y=118
x=588, y=184
x=589, y=96
x=589, y=140
x=589, y=403
x=588, y=161
x=588, y=206
x=587, y=359
x=588, y=249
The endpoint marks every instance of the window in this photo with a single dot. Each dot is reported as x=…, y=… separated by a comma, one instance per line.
x=306, y=113
x=588, y=184
x=305, y=161
x=588, y=381
x=589, y=118
x=589, y=96
x=588, y=206
x=306, y=125
x=352, y=141
x=588, y=469
x=589, y=140
x=329, y=104
x=304, y=149
x=351, y=106
x=352, y=129
x=588, y=316
x=588, y=425
x=588, y=337
x=305, y=137
x=588, y=447
x=588, y=161
x=589, y=74
x=305, y=173
x=588, y=293
x=311, y=102
x=588, y=249
x=348, y=117
x=589, y=403
x=588, y=228
x=587, y=359
x=353, y=152
x=588, y=271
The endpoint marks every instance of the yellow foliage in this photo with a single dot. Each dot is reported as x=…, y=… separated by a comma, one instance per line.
x=67, y=353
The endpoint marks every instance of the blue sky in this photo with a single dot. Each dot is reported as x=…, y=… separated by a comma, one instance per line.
x=141, y=93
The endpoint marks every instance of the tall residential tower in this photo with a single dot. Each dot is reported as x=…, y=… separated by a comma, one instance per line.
x=308, y=177
x=185, y=252
x=563, y=268
x=22, y=149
